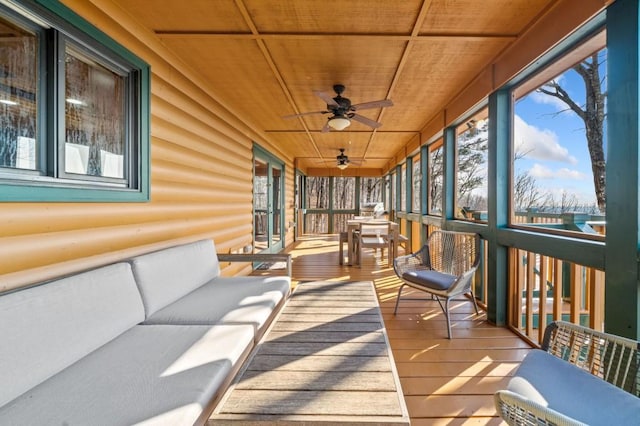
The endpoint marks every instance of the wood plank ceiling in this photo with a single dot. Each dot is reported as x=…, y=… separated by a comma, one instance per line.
x=265, y=58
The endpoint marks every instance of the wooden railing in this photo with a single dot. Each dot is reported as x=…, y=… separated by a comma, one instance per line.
x=543, y=289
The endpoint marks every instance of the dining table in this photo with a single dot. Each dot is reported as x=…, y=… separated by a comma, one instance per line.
x=353, y=225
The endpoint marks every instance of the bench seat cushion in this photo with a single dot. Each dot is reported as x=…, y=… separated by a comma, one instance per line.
x=156, y=375
x=46, y=328
x=165, y=276
x=229, y=300
x=563, y=387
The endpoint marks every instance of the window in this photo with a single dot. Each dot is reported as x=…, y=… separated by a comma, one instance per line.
x=73, y=110
x=317, y=205
x=371, y=196
x=344, y=191
x=558, y=171
x=472, y=138
x=344, y=200
x=435, y=178
x=417, y=181
x=403, y=188
x=393, y=194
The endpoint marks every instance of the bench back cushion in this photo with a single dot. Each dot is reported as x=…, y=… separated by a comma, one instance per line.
x=46, y=328
x=165, y=276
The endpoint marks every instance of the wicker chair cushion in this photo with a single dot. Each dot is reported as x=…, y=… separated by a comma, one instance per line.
x=430, y=279
x=561, y=386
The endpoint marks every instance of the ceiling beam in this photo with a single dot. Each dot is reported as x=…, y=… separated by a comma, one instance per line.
x=401, y=64
x=276, y=72
x=321, y=36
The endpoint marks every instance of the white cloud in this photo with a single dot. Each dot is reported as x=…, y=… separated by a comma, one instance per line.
x=565, y=173
x=539, y=144
x=542, y=172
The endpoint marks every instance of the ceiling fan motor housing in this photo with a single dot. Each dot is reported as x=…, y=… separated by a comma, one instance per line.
x=342, y=158
x=344, y=104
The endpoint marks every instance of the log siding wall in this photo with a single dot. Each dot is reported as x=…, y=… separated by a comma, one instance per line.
x=201, y=178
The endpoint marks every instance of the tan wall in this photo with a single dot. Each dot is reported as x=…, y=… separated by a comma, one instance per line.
x=201, y=179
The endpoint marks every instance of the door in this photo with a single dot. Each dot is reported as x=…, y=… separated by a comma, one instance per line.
x=268, y=202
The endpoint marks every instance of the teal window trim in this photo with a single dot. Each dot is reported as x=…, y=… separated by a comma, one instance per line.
x=58, y=190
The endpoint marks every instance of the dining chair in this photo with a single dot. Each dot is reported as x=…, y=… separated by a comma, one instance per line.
x=374, y=235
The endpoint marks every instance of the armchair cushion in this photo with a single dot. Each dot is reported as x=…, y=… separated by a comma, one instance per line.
x=563, y=387
x=430, y=279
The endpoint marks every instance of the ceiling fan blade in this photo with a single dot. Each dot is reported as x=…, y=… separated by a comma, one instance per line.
x=305, y=113
x=326, y=98
x=325, y=128
x=367, y=121
x=373, y=104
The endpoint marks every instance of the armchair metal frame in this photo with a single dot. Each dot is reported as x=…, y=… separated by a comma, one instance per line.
x=444, y=267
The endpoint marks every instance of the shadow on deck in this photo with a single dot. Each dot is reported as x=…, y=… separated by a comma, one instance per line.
x=444, y=381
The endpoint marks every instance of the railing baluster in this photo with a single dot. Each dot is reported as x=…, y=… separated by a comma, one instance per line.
x=542, y=298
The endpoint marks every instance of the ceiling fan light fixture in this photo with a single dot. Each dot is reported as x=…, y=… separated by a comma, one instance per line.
x=339, y=123
x=342, y=165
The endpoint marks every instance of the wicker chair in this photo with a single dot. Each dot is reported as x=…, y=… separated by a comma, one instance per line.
x=444, y=267
x=546, y=390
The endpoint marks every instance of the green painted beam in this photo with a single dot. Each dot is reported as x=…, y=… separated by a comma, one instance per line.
x=577, y=250
x=449, y=174
x=622, y=289
x=499, y=160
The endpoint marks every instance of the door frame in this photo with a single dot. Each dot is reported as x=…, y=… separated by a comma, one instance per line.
x=272, y=162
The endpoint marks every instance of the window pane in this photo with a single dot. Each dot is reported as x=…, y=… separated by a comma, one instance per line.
x=95, y=99
x=317, y=193
x=417, y=179
x=472, y=174
x=18, y=84
x=344, y=193
x=559, y=166
x=393, y=194
x=260, y=194
x=276, y=184
x=371, y=201
x=403, y=188
x=435, y=178
x=388, y=198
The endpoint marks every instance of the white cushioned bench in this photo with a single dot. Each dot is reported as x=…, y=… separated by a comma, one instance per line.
x=154, y=340
x=580, y=376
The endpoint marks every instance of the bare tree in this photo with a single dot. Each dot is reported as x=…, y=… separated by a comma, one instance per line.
x=526, y=193
x=592, y=113
x=371, y=190
x=472, y=154
x=567, y=203
x=436, y=179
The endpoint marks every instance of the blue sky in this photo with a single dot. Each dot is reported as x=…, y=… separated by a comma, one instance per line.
x=555, y=144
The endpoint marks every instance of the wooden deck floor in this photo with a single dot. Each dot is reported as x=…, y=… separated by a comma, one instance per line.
x=445, y=382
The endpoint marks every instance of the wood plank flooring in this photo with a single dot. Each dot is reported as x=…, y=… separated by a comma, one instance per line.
x=445, y=382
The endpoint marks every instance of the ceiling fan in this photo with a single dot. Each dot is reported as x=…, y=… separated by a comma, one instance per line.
x=342, y=112
x=342, y=160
